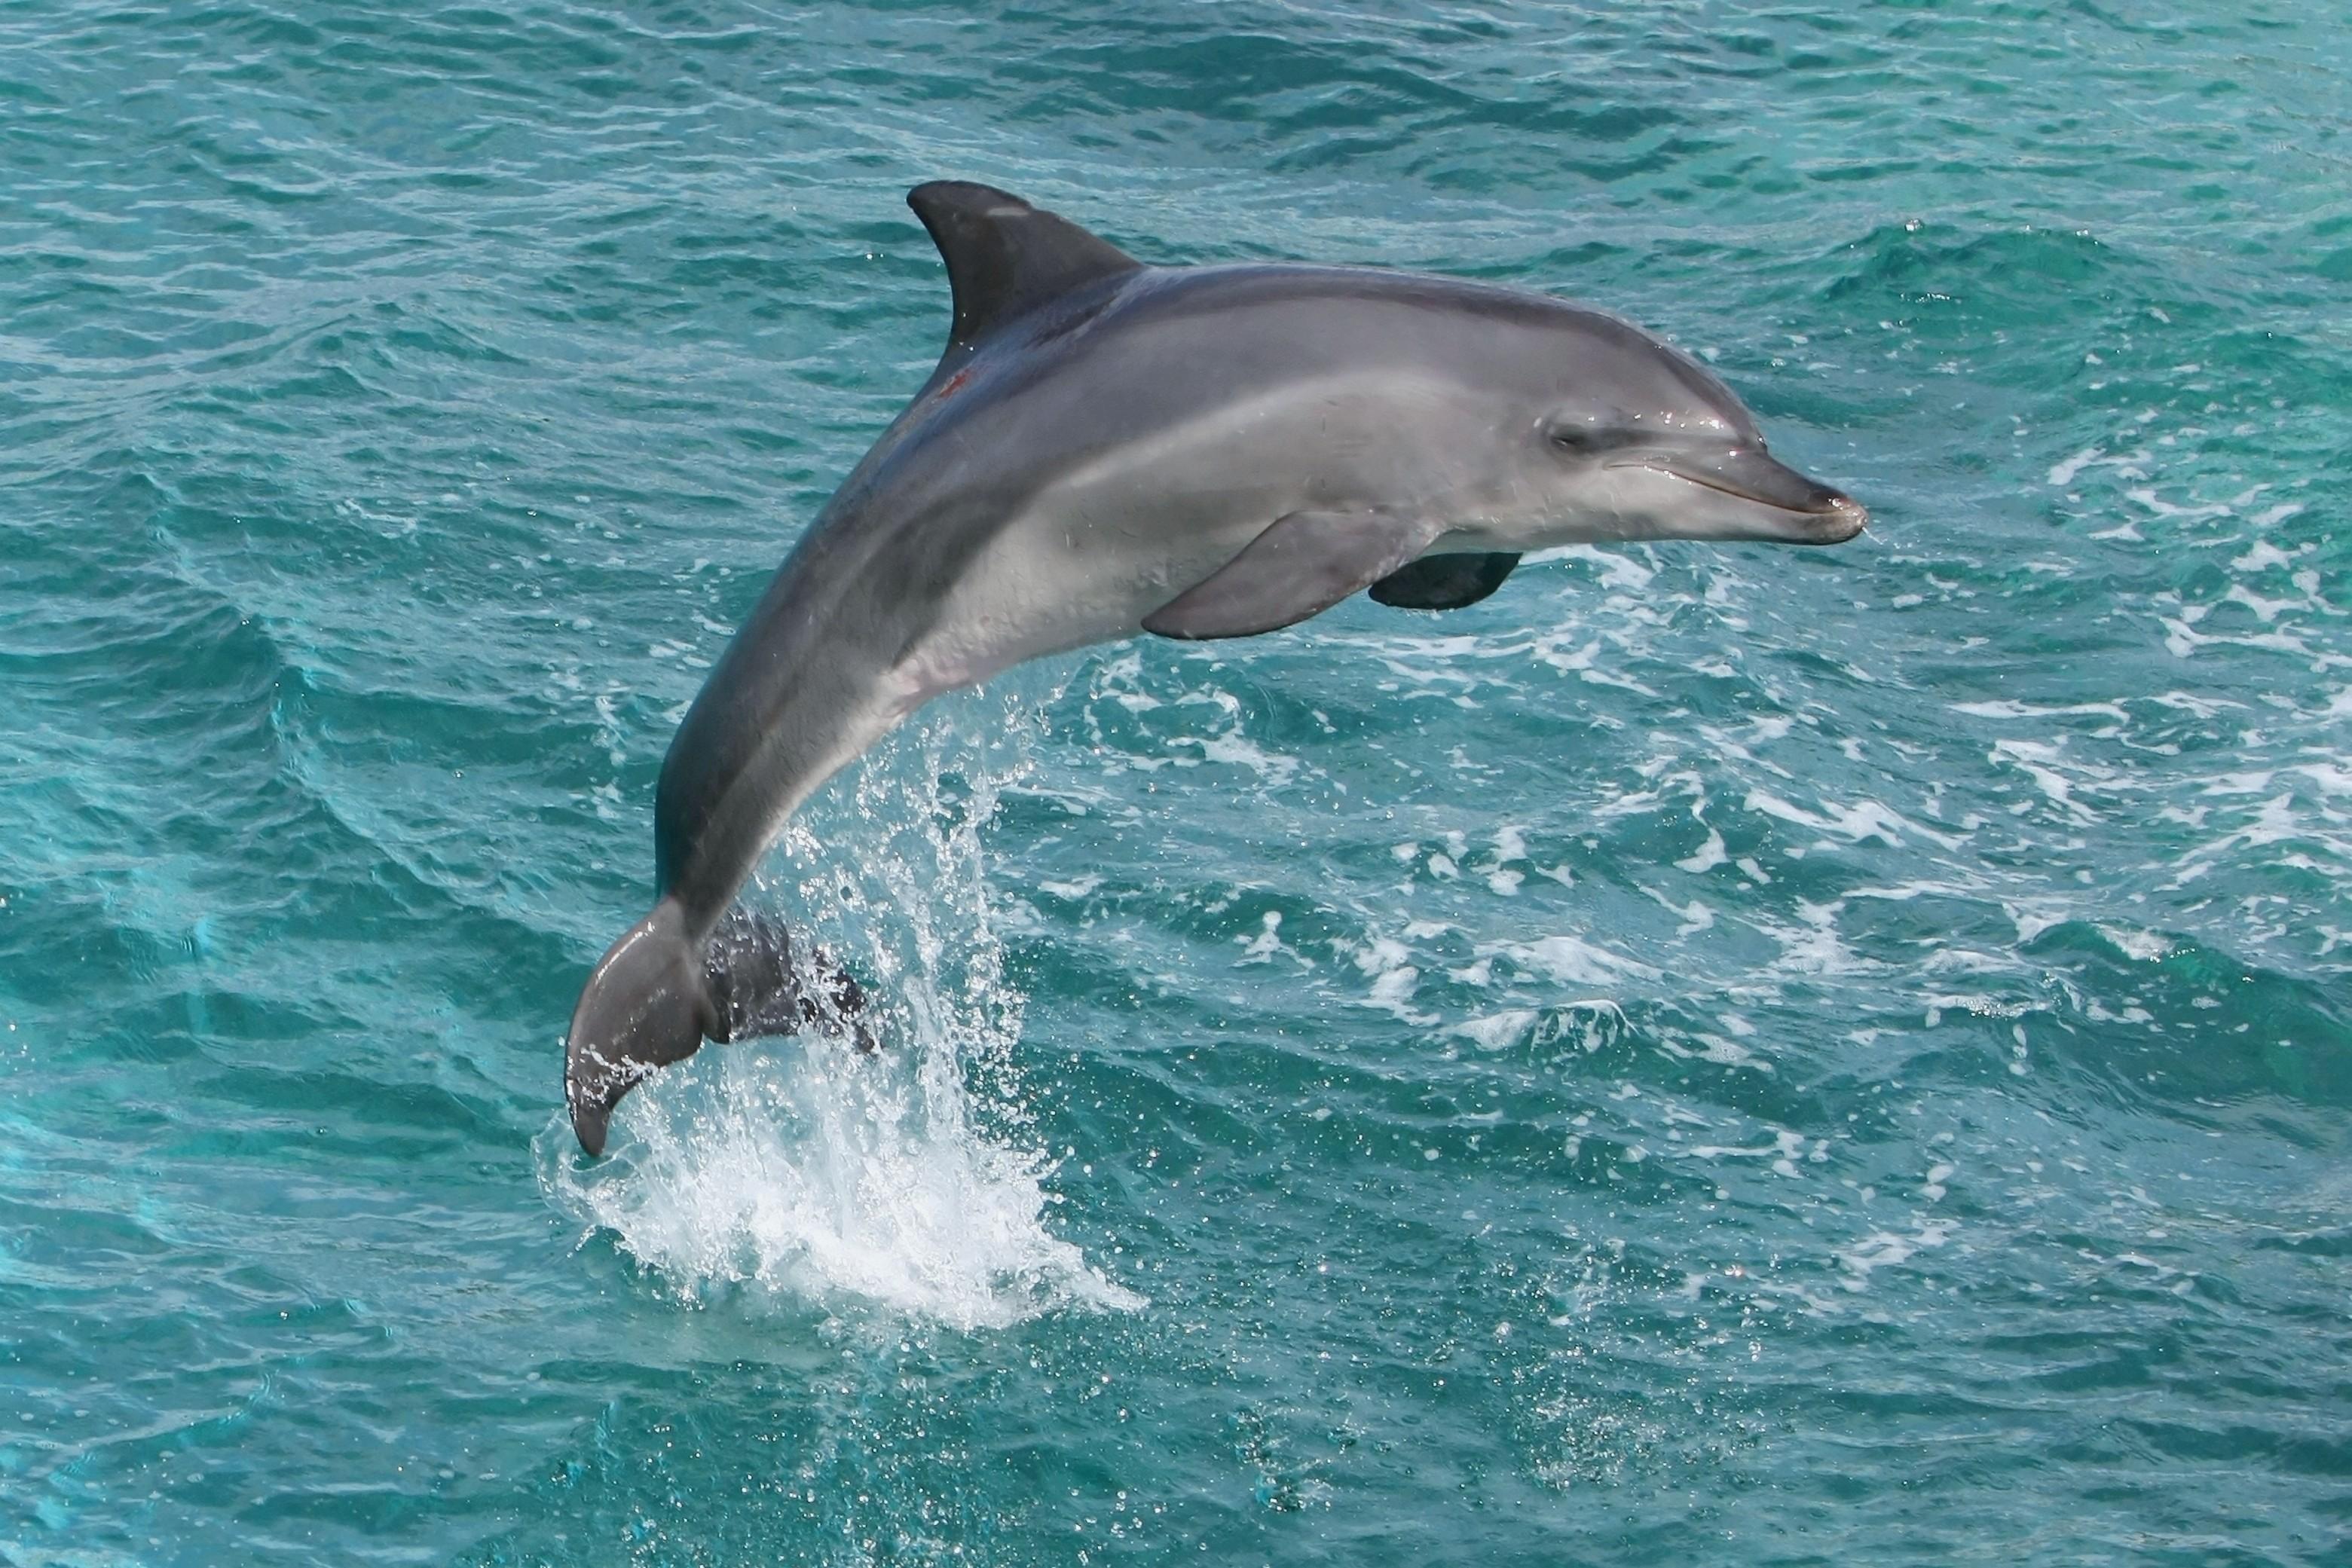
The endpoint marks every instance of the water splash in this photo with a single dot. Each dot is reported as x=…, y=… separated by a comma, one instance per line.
x=898, y=1180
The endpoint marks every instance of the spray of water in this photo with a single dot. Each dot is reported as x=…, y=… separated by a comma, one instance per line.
x=801, y=1169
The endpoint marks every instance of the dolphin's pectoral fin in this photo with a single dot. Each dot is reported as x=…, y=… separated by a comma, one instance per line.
x=1304, y=563
x=1444, y=581
x=1005, y=257
x=757, y=989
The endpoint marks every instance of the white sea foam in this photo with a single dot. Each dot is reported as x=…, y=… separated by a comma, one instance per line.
x=2043, y=762
x=2062, y=474
x=2147, y=946
x=1886, y=1248
x=1866, y=819
x=1571, y=960
x=1237, y=750
x=803, y=1169
x=1496, y=1030
x=2011, y=709
x=1810, y=944
x=1709, y=855
x=820, y=1174
x=1394, y=978
x=1785, y=1146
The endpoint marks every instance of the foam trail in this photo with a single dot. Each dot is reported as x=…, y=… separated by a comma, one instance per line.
x=800, y=1168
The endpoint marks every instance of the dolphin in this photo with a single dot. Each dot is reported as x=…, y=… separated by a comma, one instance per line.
x=1108, y=447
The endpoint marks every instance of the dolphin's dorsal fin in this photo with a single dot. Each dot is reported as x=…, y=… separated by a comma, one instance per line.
x=1004, y=257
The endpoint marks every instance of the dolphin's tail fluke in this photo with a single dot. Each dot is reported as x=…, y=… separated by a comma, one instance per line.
x=653, y=999
x=644, y=1008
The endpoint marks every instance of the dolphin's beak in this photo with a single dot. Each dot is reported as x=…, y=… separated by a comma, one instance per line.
x=1806, y=511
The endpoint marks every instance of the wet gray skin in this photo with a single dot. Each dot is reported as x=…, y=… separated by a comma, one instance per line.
x=1108, y=448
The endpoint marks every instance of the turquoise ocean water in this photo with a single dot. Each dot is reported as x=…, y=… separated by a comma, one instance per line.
x=1713, y=1055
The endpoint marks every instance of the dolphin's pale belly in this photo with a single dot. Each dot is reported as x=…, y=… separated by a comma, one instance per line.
x=1109, y=543
x=1060, y=578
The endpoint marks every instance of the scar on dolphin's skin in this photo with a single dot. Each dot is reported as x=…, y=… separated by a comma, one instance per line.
x=1109, y=448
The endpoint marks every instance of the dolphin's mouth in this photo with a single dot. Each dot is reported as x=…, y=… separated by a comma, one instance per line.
x=1814, y=513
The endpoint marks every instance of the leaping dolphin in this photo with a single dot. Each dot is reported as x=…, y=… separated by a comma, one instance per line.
x=1108, y=447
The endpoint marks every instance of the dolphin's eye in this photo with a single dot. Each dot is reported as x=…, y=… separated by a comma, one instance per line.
x=1582, y=438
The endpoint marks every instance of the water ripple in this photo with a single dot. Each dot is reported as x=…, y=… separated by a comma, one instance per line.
x=1809, y=1058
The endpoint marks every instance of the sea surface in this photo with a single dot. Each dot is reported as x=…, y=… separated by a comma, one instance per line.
x=1714, y=1055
